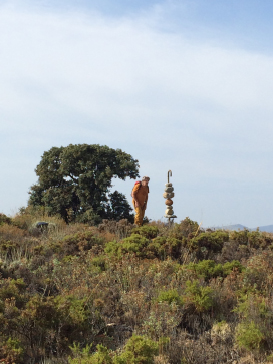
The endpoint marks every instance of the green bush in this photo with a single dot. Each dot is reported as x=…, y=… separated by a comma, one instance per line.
x=207, y=243
x=65, y=317
x=112, y=248
x=228, y=267
x=8, y=247
x=40, y=313
x=249, y=336
x=173, y=247
x=159, y=247
x=201, y=298
x=101, y=356
x=206, y=268
x=84, y=357
x=134, y=244
x=239, y=236
x=12, y=288
x=89, y=217
x=257, y=239
x=259, y=272
x=148, y=231
x=170, y=296
x=186, y=229
x=255, y=330
x=253, y=307
x=72, y=310
x=156, y=247
x=254, y=239
x=138, y=350
x=209, y=269
x=162, y=248
x=100, y=263
x=11, y=351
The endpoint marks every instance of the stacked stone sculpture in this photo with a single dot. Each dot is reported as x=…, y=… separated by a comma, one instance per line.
x=168, y=195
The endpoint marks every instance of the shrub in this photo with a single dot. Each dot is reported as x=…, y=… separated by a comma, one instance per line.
x=187, y=228
x=23, y=220
x=148, y=231
x=142, y=247
x=207, y=243
x=84, y=357
x=100, y=263
x=55, y=322
x=240, y=237
x=208, y=269
x=73, y=310
x=12, y=288
x=162, y=247
x=254, y=307
x=112, y=248
x=257, y=239
x=163, y=320
x=11, y=233
x=220, y=331
x=11, y=351
x=173, y=247
x=156, y=247
x=249, y=336
x=201, y=298
x=40, y=313
x=259, y=272
x=138, y=350
x=255, y=330
x=228, y=267
x=81, y=241
x=170, y=296
x=101, y=356
x=134, y=244
x=4, y=219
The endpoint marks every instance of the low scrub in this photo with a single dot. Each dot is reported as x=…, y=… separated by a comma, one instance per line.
x=121, y=294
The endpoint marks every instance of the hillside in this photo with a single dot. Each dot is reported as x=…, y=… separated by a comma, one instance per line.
x=117, y=294
x=267, y=228
x=237, y=227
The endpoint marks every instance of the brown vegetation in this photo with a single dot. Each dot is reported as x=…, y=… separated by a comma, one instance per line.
x=120, y=294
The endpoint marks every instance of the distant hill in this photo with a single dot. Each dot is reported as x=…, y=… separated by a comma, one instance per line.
x=267, y=228
x=230, y=227
x=237, y=227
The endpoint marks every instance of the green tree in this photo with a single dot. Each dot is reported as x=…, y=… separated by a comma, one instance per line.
x=75, y=182
x=118, y=207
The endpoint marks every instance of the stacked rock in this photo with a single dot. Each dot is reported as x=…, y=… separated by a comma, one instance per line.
x=168, y=195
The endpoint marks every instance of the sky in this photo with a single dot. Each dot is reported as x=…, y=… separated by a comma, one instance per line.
x=180, y=85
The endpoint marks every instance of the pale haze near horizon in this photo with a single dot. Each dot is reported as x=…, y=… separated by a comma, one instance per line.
x=178, y=85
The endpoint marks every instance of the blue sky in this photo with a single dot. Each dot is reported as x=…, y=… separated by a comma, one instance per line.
x=181, y=85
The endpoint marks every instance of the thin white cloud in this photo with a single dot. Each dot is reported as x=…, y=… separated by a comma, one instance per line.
x=82, y=78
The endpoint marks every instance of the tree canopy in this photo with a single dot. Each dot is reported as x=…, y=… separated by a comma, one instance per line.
x=75, y=182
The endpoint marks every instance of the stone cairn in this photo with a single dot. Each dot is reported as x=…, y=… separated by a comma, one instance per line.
x=168, y=195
